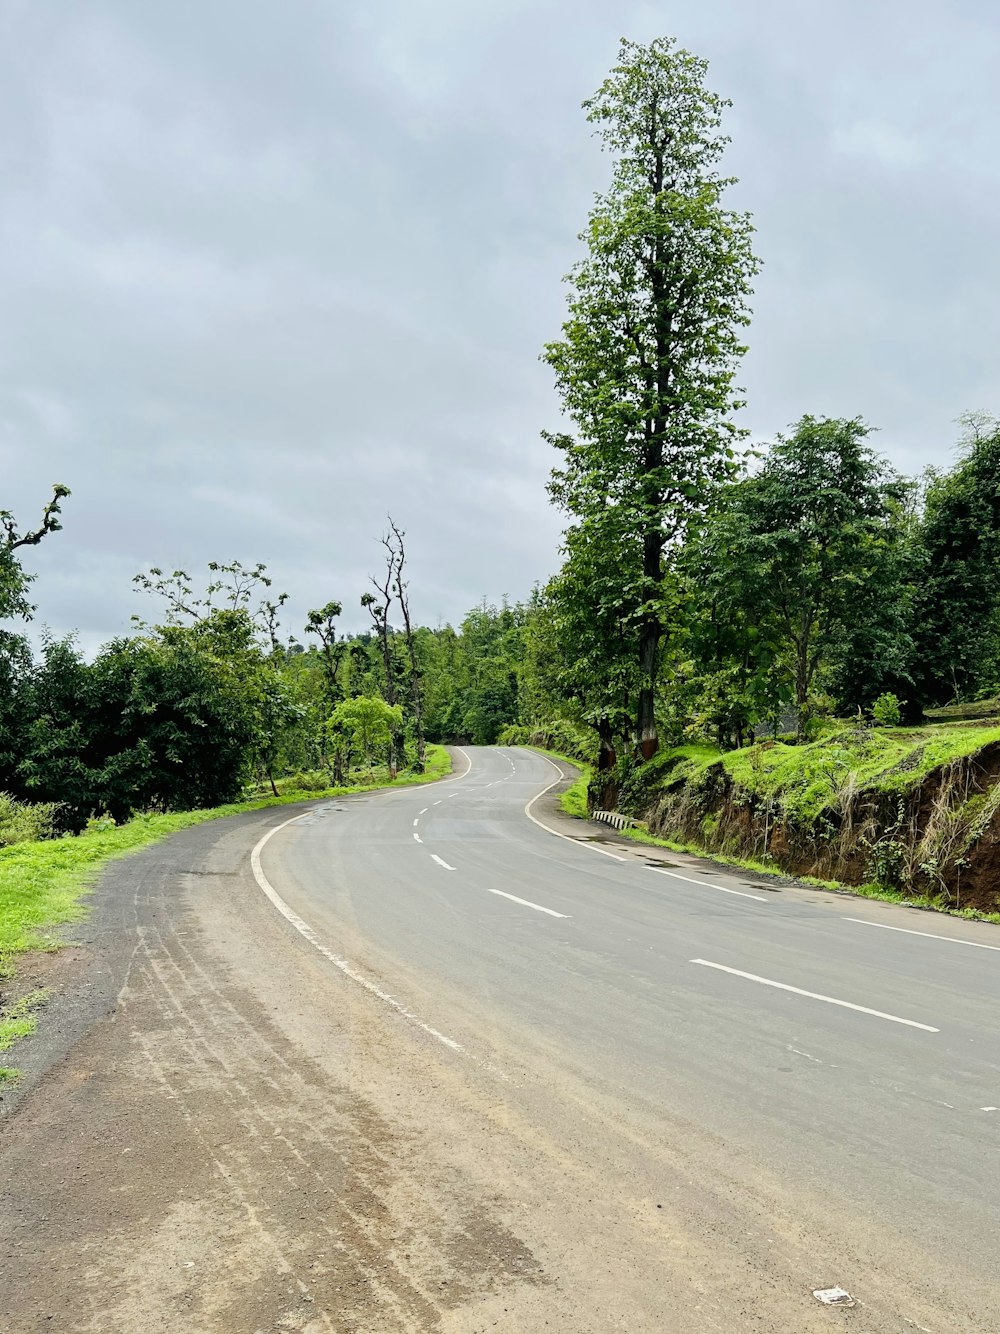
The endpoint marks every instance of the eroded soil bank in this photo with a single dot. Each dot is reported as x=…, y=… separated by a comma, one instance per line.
x=936, y=835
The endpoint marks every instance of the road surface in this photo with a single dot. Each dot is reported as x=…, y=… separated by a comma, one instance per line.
x=421, y=1061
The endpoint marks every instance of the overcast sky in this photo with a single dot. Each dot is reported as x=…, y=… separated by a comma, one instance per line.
x=270, y=270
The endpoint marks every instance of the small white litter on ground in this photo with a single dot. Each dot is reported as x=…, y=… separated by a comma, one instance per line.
x=833, y=1296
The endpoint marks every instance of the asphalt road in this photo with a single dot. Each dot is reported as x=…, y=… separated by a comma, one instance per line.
x=442, y=1061
x=839, y=1055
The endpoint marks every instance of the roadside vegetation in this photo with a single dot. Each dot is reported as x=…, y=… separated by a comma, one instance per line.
x=43, y=883
x=788, y=654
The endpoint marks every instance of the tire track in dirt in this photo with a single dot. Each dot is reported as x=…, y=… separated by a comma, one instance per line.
x=188, y=1167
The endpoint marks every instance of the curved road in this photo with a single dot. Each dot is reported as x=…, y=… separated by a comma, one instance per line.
x=526, y=1081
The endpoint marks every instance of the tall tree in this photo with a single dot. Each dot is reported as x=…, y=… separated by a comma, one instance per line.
x=378, y=609
x=595, y=626
x=958, y=615
x=646, y=364
x=321, y=622
x=393, y=542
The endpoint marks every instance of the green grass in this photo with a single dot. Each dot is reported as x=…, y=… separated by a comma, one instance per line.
x=982, y=708
x=803, y=780
x=17, y=1021
x=41, y=884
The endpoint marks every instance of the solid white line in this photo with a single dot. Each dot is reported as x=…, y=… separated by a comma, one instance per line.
x=952, y=940
x=417, y=837
x=436, y=858
x=708, y=884
x=305, y=930
x=815, y=995
x=527, y=903
x=548, y=828
x=455, y=777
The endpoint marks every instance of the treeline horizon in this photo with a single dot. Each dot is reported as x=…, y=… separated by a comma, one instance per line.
x=705, y=592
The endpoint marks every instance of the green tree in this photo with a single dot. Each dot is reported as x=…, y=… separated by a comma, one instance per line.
x=15, y=652
x=370, y=722
x=594, y=626
x=646, y=364
x=14, y=580
x=958, y=591
x=808, y=548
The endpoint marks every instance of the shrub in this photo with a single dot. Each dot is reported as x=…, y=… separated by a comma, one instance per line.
x=887, y=711
x=25, y=822
x=308, y=780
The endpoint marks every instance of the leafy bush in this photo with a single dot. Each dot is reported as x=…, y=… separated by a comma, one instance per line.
x=25, y=822
x=887, y=711
x=577, y=743
x=308, y=780
x=99, y=824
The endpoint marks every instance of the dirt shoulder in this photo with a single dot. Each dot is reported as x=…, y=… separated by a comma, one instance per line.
x=186, y=1150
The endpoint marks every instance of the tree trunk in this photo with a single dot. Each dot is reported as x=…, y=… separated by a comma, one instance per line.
x=606, y=756
x=802, y=676
x=650, y=634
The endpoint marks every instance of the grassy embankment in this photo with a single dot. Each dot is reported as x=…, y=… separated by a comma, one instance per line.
x=902, y=814
x=41, y=884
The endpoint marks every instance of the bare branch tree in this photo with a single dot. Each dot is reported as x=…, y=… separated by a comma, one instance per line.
x=394, y=543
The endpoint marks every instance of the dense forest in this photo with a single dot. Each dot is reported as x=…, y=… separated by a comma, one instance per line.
x=709, y=589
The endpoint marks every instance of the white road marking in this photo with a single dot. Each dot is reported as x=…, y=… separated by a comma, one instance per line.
x=989, y=1109
x=436, y=858
x=305, y=930
x=438, y=802
x=548, y=828
x=424, y=811
x=528, y=904
x=797, y=1052
x=952, y=940
x=708, y=884
x=417, y=837
x=416, y=822
x=464, y=774
x=815, y=995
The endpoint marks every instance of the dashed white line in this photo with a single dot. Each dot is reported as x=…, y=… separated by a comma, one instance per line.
x=305, y=930
x=416, y=822
x=424, y=811
x=799, y=1052
x=441, y=862
x=527, y=903
x=707, y=884
x=438, y=802
x=815, y=995
x=952, y=940
x=417, y=837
